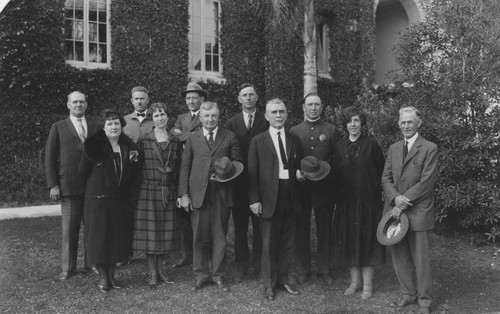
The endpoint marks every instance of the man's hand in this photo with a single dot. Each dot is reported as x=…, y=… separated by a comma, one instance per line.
x=256, y=208
x=402, y=202
x=186, y=203
x=55, y=193
x=396, y=212
x=176, y=131
x=300, y=176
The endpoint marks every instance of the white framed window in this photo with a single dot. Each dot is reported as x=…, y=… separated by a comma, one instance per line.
x=87, y=36
x=204, y=39
x=323, y=50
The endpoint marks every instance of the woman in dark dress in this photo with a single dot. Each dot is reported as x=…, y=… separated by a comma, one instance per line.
x=359, y=163
x=156, y=231
x=109, y=164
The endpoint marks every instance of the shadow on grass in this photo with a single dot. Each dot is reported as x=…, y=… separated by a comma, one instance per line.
x=466, y=280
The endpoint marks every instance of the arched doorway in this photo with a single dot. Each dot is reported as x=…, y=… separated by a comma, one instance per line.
x=391, y=17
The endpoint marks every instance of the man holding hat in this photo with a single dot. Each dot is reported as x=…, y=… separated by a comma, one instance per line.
x=210, y=159
x=187, y=124
x=318, y=140
x=275, y=196
x=410, y=174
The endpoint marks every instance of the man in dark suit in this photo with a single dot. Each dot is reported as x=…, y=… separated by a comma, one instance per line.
x=318, y=139
x=410, y=174
x=275, y=196
x=63, y=152
x=138, y=122
x=245, y=125
x=208, y=200
x=187, y=124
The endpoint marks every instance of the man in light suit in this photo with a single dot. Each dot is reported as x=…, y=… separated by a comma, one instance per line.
x=63, y=152
x=207, y=200
x=318, y=139
x=410, y=174
x=275, y=196
x=246, y=125
x=186, y=125
x=138, y=122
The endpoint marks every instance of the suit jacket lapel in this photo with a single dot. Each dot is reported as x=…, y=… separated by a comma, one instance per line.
x=257, y=120
x=268, y=141
x=218, y=139
x=288, y=145
x=195, y=122
x=414, y=149
x=71, y=128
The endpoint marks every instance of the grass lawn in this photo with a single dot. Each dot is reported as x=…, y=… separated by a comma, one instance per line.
x=466, y=280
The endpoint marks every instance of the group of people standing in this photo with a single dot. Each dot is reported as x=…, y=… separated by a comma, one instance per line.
x=143, y=189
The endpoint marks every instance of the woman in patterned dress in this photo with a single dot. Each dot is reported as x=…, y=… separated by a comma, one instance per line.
x=359, y=162
x=155, y=229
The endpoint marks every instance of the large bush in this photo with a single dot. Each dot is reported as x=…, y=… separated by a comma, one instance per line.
x=449, y=64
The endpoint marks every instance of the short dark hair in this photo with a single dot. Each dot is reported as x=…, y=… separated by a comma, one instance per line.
x=109, y=114
x=245, y=85
x=156, y=107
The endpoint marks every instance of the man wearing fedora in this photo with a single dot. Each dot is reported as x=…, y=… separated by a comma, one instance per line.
x=245, y=125
x=275, y=196
x=410, y=174
x=138, y=123
x=318, y=139
x=187, y=124
x=205, y=193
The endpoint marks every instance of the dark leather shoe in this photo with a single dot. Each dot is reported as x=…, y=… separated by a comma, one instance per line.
x=183, y=262
x=198, y=285
x=115, y=284
x=165, y=279
x=302, y=278
x=289, y=288
x=65, y=275
x=424, y=310
x=104, y=287
x=269, y=294
x=325, y=279
x=238, y=276
x=222, y=286
x=403, y=303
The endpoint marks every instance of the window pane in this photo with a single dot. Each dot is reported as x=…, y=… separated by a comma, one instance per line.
x=79, y=51
x=208, y=62
x=93, y=32
x=103, y=53
x=77, y=30
x=69, y=50
x=216, y=63
x=195, y=61
x=102, y=33
x=68, y=29
x=79, y=14
x=93, y=11
x=102, y=16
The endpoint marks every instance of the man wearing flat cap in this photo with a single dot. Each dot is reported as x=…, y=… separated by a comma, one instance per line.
x=206, y=193
x=318, y=139
x=409, y=177
x=187, y=124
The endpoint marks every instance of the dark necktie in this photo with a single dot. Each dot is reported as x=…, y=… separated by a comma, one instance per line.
x=405, y=150
x=249, y=125
x=141, y=115
x=211, y=139
x=282, y=152
x=193, y=116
